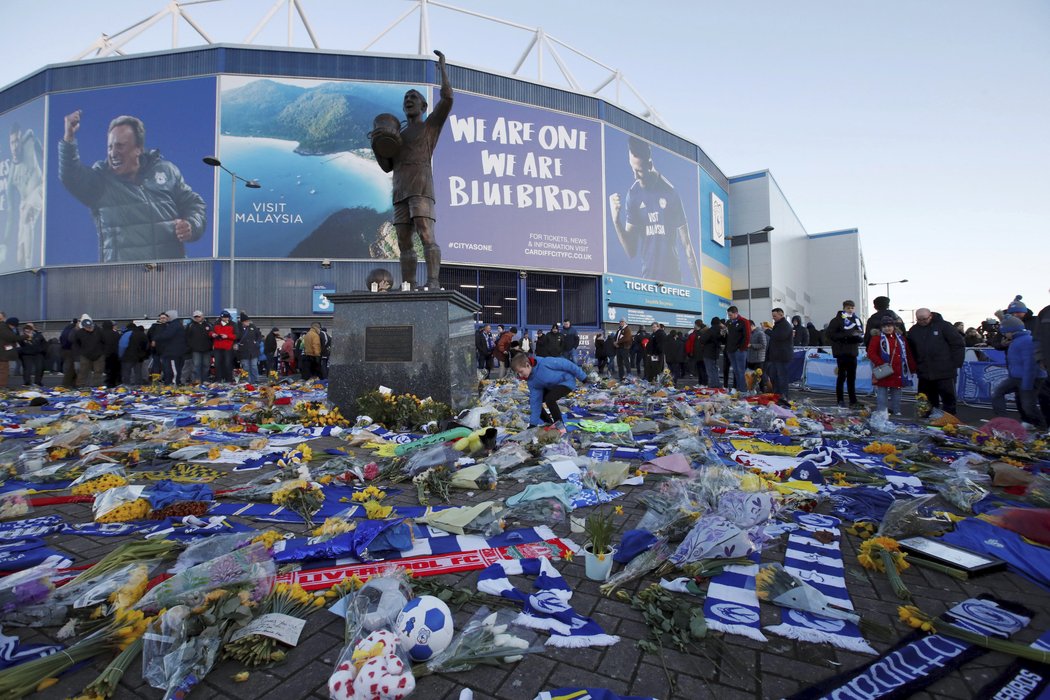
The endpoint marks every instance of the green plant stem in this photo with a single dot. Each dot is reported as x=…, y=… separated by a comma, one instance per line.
x=994, y=643
x=943, y=568
x=894, y=576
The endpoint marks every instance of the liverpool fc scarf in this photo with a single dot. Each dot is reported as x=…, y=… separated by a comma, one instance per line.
x=549, y=608
x=920, y=659
x=819, y=564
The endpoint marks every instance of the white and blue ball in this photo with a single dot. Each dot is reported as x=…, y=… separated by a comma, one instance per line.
x=425, y=627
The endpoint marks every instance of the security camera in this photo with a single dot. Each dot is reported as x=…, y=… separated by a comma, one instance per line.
x=150, y=267
x=326, y=263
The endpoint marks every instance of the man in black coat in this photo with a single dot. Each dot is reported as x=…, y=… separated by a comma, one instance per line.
x=845, y=333
x=483, y=347
x=710, y=342
x=136, y=350
x=801, y=332
x=198, y=338
x=90, y=351
x=111, y=341
x=654, y=352
x=780, y=353
x=169, y=344
x=939, y=352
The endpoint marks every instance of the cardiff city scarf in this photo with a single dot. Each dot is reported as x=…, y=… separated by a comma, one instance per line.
x=1024, y=680
x=549, y=609
x=732, y=605
x=314, y=579
x=920, y=659
x=586, y=694
x=819, y=564
x=13, y=652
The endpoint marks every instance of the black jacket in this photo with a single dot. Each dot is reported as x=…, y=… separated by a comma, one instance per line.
x=938, y=348
x=844, y=339
x=198, y=336
x=110, y=338
x=248, y=341
x=872, y=326
x=738, y=334
x=89, y=345
x=138, y=346
x=674, y=349
x=549, y=345
x=657, y=343
x=781, y=342
x=600, y=351
x=170, y=338
x=270, y=344
x=801, y=335
x=711, y=342
x=135, y=220
x=32, y=345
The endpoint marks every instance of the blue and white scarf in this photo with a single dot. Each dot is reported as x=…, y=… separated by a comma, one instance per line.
x=732, y=605
x=902, y=350
x=819, y=565
x=920, y=659
x=13, y=652
x=549, y=608
x=1024, y=680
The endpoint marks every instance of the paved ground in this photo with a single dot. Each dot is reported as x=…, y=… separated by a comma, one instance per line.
x=726, y=667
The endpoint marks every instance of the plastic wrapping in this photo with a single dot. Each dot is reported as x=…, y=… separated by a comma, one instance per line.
x=15, y=504
x=426, y=457
x=27, y=587
x=510, y=455
x=913, y=517
x=208, y=548
x=121, y=504
x=1038, y=491
x=176, y=652
x=488, y=638
x=549, y=511
x=97, y=478
x=250, y=568
x=961, y=492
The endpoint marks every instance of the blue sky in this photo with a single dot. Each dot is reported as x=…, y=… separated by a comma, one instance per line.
x=924, y=124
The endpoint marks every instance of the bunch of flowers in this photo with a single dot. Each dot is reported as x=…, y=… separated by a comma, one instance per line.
x=294, y=460
x=250, y=568
x=485, y=640
x=369, y=493
x=126, y=511
x=401, y=411
x=256, y=649
x=880, y=448
x=14, y=504
x=884, y=554
x=126, y=627
x=301, y=496
x=332, y=527
x=268, y=538
x=318, y=413
x=435, y=480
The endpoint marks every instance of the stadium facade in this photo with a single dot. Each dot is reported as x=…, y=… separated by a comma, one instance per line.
x=524, y=177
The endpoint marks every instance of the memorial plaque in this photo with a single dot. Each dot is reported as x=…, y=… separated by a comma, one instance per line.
x=388, y=343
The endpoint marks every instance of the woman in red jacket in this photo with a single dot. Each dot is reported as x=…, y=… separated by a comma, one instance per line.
x=890, y=348
x=223, y=335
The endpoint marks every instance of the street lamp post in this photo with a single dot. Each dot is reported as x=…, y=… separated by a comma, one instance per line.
x=876, y=284
x=747, y=237
x=251, y=184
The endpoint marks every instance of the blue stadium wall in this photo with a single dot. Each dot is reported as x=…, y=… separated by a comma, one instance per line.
x=60, y=283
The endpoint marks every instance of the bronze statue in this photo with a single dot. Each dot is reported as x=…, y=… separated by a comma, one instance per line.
x=408, y=154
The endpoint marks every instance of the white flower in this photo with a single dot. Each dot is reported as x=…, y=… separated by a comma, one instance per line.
x=304, y=472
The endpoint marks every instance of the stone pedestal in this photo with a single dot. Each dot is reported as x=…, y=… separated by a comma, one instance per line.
x=418, y=342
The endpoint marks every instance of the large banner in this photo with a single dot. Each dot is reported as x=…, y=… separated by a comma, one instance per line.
x=306, y=141
x=22, y=187
x=519, y=186
x=138, y=190
x=652, y=211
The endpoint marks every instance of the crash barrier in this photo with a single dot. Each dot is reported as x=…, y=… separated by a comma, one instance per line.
x=981, y=372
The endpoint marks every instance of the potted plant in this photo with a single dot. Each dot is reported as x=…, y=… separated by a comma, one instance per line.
x=598, y=552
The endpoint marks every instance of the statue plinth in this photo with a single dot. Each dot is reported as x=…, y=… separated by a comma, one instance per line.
x=419, y=342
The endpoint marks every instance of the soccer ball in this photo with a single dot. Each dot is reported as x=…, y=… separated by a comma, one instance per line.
x=425, y=627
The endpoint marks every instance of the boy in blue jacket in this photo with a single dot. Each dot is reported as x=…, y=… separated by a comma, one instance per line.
x=549, y=378
x=1026, y=376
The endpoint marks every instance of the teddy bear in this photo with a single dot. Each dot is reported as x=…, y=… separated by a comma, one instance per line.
x=373, y=672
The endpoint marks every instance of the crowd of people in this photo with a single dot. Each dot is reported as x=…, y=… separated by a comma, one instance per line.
x=730, y=351
x=169, y=349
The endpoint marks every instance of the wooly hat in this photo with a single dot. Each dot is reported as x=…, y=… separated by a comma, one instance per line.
x=1011, y=324
x=1017, y=306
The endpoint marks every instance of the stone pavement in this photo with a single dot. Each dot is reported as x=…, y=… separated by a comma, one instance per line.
x=723, y=666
